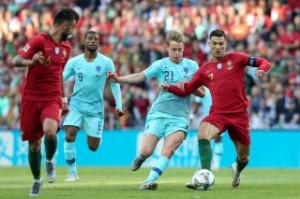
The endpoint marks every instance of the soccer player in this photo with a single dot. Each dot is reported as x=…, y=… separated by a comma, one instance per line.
x=43, y=103
x=169, y=114
x=205, y=108
x=86, y=105
x=224, y=77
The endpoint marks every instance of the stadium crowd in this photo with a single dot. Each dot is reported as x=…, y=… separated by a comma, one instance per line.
x=132, y=33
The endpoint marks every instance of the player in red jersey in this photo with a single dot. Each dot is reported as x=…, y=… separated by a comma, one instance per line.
x=43, y=103
x=224, y=77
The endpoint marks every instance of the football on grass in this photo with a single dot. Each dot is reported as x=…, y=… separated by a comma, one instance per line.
x=203, y=179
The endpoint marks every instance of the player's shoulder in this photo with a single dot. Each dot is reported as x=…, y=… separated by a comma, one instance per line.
x=237, y=55
x=41, y=37
x=65, y=44
x=103, y=57
x=189, y=61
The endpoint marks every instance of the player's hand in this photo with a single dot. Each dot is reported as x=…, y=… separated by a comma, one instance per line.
x=260, y=74
x=38, y=58
x=64, y=109
x=112, y=76
x=164, y=87
x=119, y=112
x=181, y=85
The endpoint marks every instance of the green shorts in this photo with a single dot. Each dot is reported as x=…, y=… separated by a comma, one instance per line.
x=162, y=125
x=92, y=125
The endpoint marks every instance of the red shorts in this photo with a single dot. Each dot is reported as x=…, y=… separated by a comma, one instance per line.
x=237, y=125
x=33, y=114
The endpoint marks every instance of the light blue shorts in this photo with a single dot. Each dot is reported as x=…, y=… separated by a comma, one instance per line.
x=92, y=125
x=162, y=125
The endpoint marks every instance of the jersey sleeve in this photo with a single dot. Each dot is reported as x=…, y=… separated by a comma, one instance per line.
x=33, y=46
x=115, y=87
x=190, y=86
x=110, y=66
x=152, y=70
x=68, y=71
x=260, y=63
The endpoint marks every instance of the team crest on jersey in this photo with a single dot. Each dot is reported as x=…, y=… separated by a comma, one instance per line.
x=219, y=66
x=186, y=70
x=26, y=47
x=98, y=69
x=229, y=65
x=56, y=50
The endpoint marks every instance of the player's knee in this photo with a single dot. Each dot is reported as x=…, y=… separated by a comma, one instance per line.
x=70, y=137
x=36, y=147
x=145, y=152
x=94, y=146
x=244, y=158
x=168, y=152
x=50, y=133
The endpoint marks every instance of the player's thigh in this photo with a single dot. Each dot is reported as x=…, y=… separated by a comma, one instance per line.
x=172, y=142
x=31, y=124
x=50, y=115
x=148, y=145
x=155, y=126
x=74, y=118
x=239, y=128
x=176, y=124
x=212, y=126
x=93, y=126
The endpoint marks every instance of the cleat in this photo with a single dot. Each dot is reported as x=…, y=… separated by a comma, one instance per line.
x=137, y=163
x=236, y=177
x=72, y=178
x=149, y=186
x=36, y=188
x=190, y=185
x=51, y=174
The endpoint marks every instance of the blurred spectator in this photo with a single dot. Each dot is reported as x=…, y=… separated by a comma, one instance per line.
x=132, y=34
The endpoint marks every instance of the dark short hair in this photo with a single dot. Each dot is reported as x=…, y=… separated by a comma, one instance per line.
x=90, y=32
x=65, y=14
x=218, y=33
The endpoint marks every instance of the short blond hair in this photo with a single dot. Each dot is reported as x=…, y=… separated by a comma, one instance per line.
x=175, y=35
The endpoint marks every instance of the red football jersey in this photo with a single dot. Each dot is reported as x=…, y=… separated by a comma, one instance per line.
x=44, y=81
x=225, y=80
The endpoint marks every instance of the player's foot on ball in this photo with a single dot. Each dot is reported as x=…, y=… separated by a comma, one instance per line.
x=50, y=170
x=190, y=185
x=149, y=186
x=137, y=163
x=72, y=178
x=236, y=177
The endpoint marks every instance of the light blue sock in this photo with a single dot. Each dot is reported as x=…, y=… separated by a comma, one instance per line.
x=158, y=169
x=70, y=156
x=218, y=151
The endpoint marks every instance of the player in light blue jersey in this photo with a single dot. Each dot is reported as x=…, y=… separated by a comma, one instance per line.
x=168, y=117
x=86, y=105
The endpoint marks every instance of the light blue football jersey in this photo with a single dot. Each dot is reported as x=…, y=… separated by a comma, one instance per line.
x=90, y=79
x=168, y=72
x=206, y=102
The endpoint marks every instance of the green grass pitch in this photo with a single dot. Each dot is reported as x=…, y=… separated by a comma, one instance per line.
x=119, y=183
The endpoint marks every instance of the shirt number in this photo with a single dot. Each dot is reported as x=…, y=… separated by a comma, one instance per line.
x=169, y=75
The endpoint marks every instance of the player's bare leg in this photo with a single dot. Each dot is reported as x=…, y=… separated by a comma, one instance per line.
x=241, y=162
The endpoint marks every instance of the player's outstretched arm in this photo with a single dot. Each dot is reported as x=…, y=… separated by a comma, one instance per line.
x=200, y=92
x=19, y=61
x=133, y=78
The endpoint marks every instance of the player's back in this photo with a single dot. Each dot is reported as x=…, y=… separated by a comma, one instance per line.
x=168, y=72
